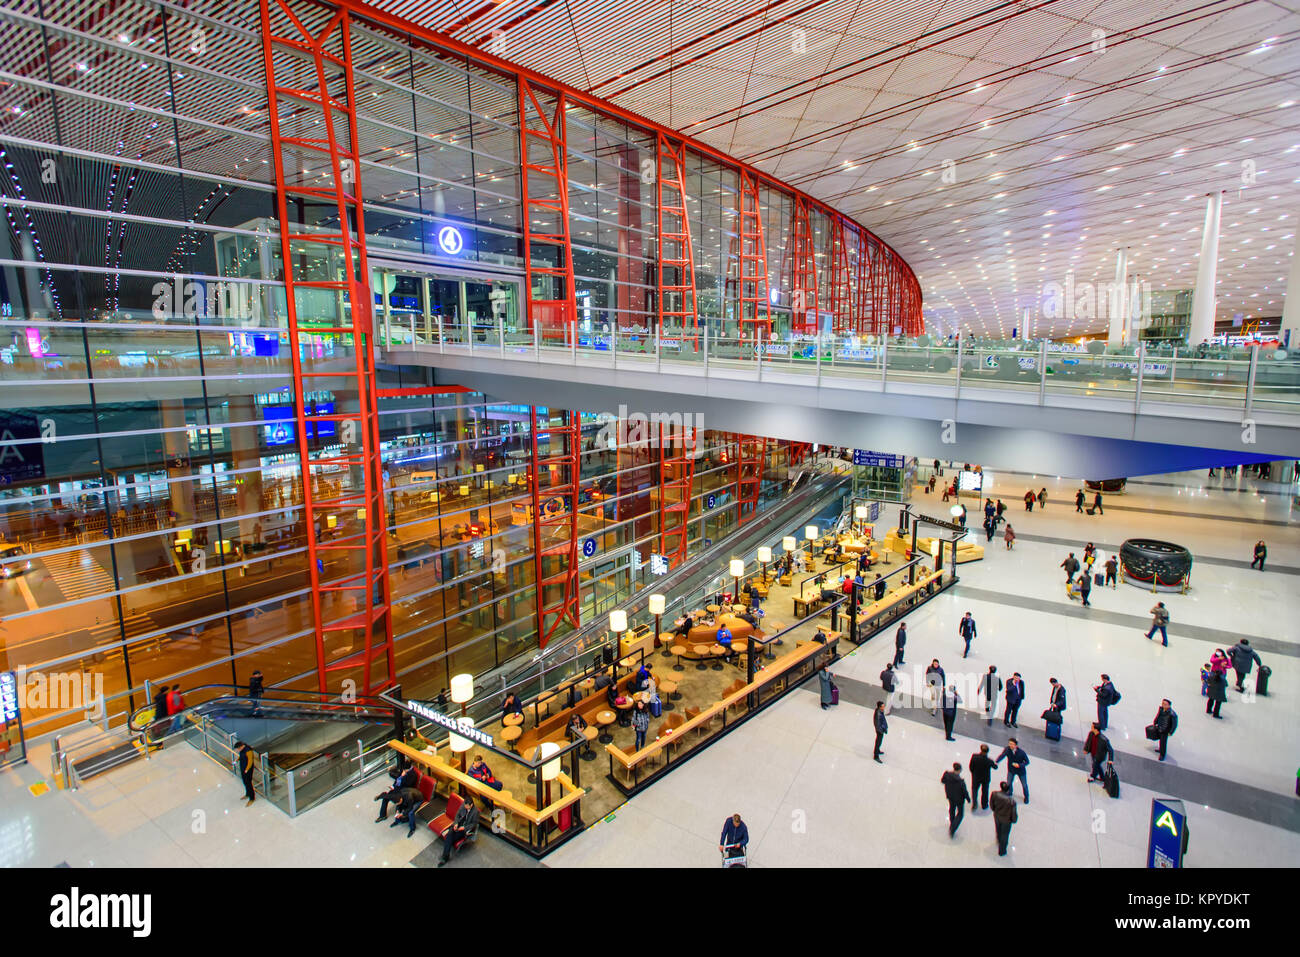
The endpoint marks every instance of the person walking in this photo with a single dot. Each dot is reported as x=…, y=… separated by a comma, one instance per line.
x=981, y=773
x=1096, y=503
x=1216, y=692
x=1004, y=815
x=991, y=687
x=641, y=724
x=1159, y=620
x=950, y=700
x=934, y=679
x=990, y=526
x=1243, y=657
x=1078, y=500
x=159, y=726
x=1071, y=566
x=247, y=760
x=1112, y=571
x=1106, y=696
x=175, y=705
x=954, y=787
x=1099, y=749
x=1009, y=536
x=1017, y=762
x=1164, y=724
x=966, y=630
x=1029, y=501
x=1085, y=588
x=1042, y=499
x=900, y=640
x=998, y=516
x=882, y=728
x=1261, y=553
x=1015, y=698
x=889, y=682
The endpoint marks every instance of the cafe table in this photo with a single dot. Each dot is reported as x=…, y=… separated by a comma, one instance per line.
x=512, y=719
x=678, y=651
x=719, y=652
x=511, y=734
x=605, y=719
x=701, y=652
x=624, y=710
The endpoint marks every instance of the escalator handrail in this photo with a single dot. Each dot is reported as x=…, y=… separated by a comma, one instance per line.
x=136, y=721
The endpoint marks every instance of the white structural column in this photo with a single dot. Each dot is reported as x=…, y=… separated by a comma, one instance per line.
x=1203, y=296
x=1291, y=305
x=1118, y=301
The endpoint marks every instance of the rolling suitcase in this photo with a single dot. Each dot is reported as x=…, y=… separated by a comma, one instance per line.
x=835, y=694
x=1053, y=731
x=1099, y=580
x=1092, y=511
x=1261, y=680
x=656, y=707
x=1110, y=780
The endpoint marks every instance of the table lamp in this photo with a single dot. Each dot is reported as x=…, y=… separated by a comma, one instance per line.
x=462, y=690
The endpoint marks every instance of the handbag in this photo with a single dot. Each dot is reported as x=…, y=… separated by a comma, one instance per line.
x=1153, y=733
x=1052, y=716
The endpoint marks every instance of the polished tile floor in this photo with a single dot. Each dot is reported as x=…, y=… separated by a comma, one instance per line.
x=803, y=778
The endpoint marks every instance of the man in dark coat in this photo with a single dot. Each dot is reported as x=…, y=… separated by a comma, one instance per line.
x=981, y=771
x=1106, y=696
x=1017, y=763
x=950, y=700
x=900, y=640
x=966, y=630
x=1015, y=698
x=954, y=786
x=1004, y=815
x=934, y=679
x=1071, y=566
x=882, y=729
x=1165, y=723
x=1085, y=588
x=1099, y=749
x=1056, y=702
x=1242, y=657
x=1078, y=500
x=1096, y=503
x=1216, y=692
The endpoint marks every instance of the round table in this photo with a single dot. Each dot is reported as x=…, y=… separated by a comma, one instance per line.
x=590, y=733
x=679, y=650
x=512, y=719
x=712, y=609
x=665, y=641
x=605, y=719
x=669, y=691
x=719, y=651
x=587, y=684
x=511, y=734
x=701, y=652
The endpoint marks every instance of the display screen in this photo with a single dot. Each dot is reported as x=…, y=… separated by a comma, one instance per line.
x=279, y=428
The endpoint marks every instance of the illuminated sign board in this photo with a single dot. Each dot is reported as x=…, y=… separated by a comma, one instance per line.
x=450, y=240
x=442, y=720
x=1167, y=836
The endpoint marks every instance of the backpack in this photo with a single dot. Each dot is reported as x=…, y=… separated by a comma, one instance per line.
x=1114, y=695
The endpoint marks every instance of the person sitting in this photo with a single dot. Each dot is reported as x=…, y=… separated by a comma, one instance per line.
x=749, y=619
x=820, y=637
x=879, y=584
x=604, y=680
x=409, y=778
x=408, y=802
x=612, y=694
x=846, y=586
x=638, y=681
x=724, y=638
x=577, y=727
x=480, y=772
x=734, y=835
x=512, y=705
x=466, y=823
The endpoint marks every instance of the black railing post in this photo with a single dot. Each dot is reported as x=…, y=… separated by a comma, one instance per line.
x=853, y=614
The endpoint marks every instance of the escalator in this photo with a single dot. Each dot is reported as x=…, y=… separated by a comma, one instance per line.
x=309, y=746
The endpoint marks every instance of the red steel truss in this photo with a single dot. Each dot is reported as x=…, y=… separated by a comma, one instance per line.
x=306, y=53
x=676, y=481
x=797, y=452
x=841, y=279
x=677, y=301
x=555, y=521
x=544, y=189
x=803, y=284
x=755, y=309
x=751, y=462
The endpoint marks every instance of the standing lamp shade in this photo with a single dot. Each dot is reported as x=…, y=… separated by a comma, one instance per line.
x=551, y=769
x=462, y=688
x=460, y=745
x=764, y=554
x=737, y=568
x=618, y=621
x=789, y=544
x=860, y=512
x=810, y=533
x=657, y=604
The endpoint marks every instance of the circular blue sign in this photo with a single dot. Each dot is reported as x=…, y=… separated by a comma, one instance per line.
x=588, y=547
x=450, y=240
x=710, y=502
